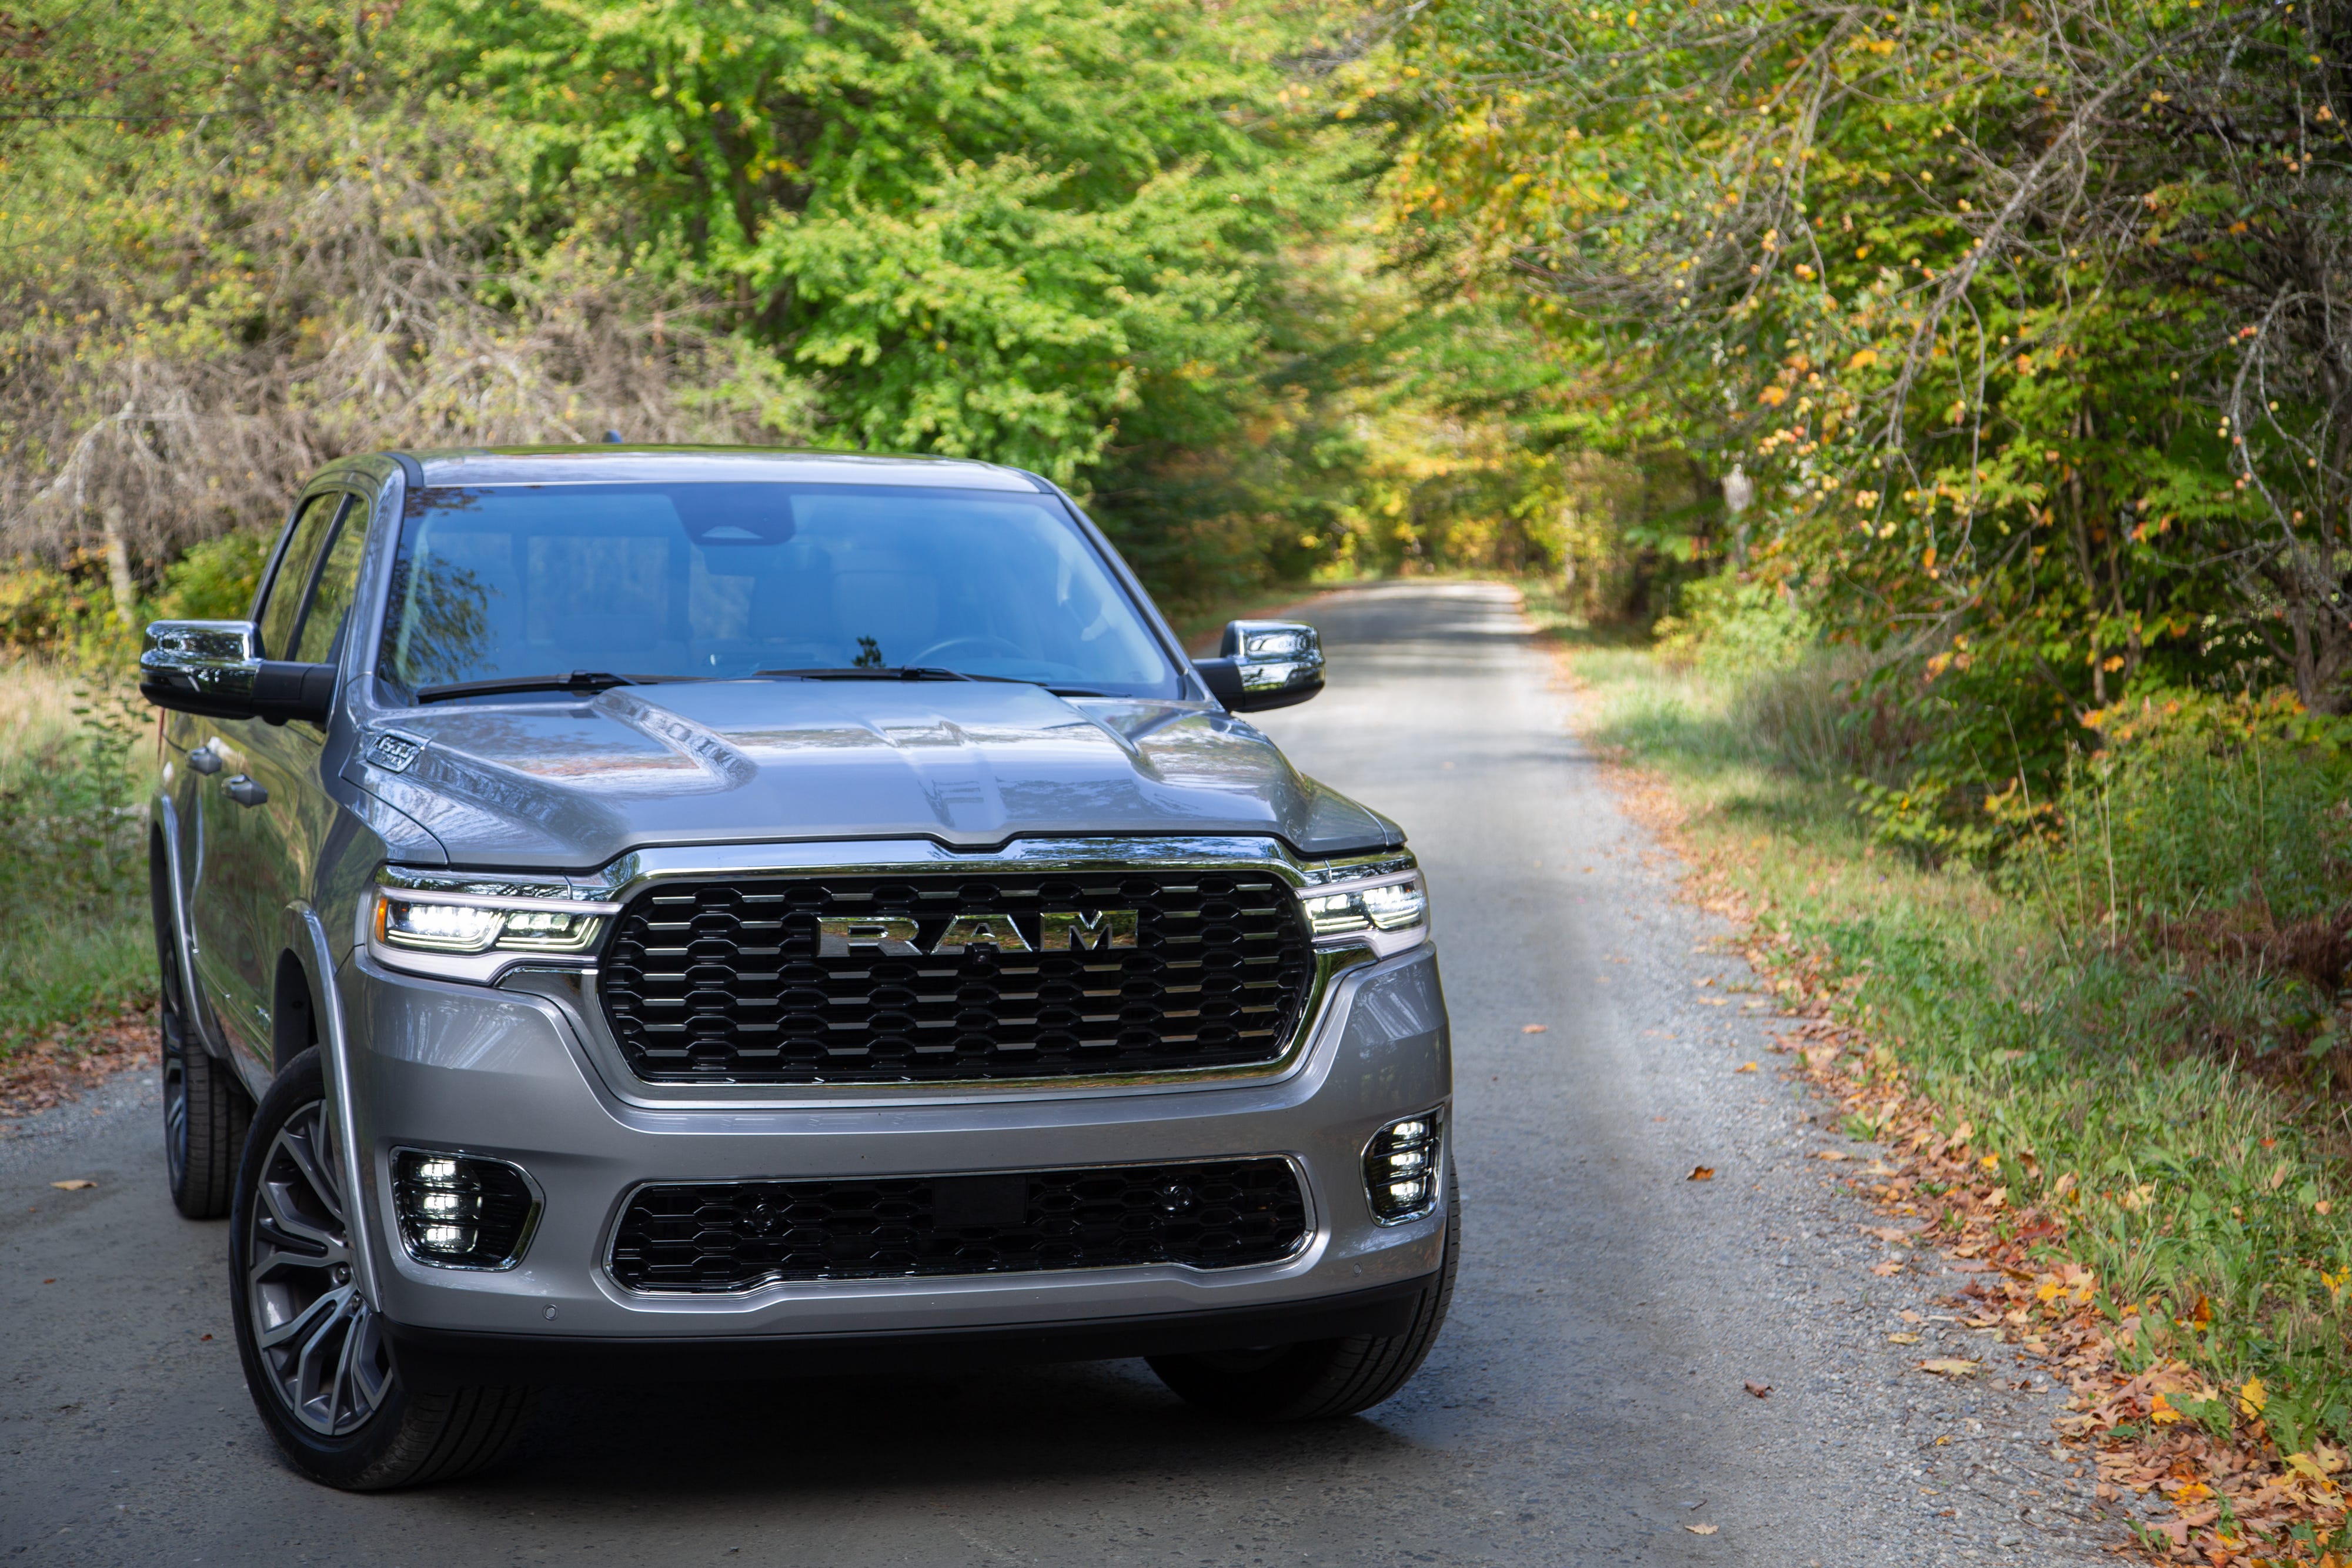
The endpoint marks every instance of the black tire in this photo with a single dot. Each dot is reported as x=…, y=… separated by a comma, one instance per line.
x=298, y=1308
x=1322, y=1378
x=206, y=1110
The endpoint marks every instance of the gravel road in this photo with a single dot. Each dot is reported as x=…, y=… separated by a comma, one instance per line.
x=1585, y=1405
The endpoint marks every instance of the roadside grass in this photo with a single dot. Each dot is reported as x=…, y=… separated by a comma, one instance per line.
x=2165, y=1086
x=75, y=954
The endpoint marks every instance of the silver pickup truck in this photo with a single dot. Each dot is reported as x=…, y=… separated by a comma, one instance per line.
x=679, y=912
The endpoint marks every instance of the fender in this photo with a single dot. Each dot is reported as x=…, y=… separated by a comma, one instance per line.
x=200, y=1012
x=307, y=941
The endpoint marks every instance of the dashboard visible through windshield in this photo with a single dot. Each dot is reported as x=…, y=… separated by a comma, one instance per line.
x=510, y=583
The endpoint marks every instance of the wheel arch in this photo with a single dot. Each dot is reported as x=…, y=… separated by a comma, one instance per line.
x=167, y=906
x=293, y=1011
x=307, y=1012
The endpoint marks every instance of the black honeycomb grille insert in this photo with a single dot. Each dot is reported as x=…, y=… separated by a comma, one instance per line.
x=735, y=1235
x=727, y=982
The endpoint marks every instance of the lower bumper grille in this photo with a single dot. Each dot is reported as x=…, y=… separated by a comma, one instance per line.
x=735, y=1235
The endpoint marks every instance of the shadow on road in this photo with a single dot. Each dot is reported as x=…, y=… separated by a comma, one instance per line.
x=1096, y=1423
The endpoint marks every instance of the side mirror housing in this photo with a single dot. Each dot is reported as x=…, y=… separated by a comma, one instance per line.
x=215, y=668
x=1265, y=665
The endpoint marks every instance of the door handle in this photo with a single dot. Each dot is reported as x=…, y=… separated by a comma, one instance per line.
x=205, y=759
x=245, y=792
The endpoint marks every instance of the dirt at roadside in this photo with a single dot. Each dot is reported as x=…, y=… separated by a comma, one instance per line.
x=52, y=1071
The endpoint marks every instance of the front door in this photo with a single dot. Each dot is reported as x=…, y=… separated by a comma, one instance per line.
x=291, y=828
x=241, y=803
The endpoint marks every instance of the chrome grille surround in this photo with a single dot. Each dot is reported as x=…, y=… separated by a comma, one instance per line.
x=574, y=986
x=826, y=978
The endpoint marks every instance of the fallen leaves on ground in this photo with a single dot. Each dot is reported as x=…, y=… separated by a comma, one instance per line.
x=1701, y=1529
x=78, y=1183
x=1757, y=1389
x=1535, y=1029
x=1903, y=1338
x=1745, y=1067
x=37, y=1075
x=1950, y=1366
x=1701, y=1173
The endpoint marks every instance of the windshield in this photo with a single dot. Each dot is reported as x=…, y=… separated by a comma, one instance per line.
x=720, y=581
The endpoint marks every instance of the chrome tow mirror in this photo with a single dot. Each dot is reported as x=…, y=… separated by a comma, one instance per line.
x=1265, y=665
x=215, y=668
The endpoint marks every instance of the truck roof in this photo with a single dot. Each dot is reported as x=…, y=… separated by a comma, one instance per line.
x=704, y=465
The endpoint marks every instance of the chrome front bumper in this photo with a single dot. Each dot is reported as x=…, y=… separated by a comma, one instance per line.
x=512, y=1074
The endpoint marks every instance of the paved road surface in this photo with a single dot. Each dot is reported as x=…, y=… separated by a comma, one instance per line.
x=1584, y=1406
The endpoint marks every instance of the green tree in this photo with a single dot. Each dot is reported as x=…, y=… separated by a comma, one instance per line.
x=2023, y=316
x=1001, y=229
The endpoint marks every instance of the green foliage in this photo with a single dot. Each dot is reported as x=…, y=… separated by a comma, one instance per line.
x=2227, y=814
x=1733, y=627
x=74, y=944
x=1129, y=246
x=217, y=580
x=39, y=607
x=1000, y=228
x=2011, y=313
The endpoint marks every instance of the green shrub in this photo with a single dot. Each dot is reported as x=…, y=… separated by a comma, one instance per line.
x=1735, y=627
x=216, y=580
x=43, y=607
x=2228, y=814
x=73, y=927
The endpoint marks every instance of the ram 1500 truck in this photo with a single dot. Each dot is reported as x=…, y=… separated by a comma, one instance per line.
x=669, y=912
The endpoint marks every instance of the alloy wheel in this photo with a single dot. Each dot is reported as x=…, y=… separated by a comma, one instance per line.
x=317, y=1335
x=172, y=1025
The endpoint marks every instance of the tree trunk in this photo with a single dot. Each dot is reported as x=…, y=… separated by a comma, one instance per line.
x=118, y=567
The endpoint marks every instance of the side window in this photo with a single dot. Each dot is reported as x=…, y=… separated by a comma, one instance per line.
x=282, y=604
x=320, y=637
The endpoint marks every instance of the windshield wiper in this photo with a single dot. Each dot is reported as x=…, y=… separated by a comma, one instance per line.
x=873, y=673
x=921, y=673
x=587, y=682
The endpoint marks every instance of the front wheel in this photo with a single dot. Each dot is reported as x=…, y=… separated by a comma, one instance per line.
x=1322, y=1378
x=316, y=1358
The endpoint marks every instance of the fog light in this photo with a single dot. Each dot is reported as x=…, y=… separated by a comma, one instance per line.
x=1399, y=1169
x=462, y=1211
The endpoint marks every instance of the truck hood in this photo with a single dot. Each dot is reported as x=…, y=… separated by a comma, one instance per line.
x=571, y=785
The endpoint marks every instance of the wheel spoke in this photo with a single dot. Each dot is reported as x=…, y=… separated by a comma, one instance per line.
x=308, y=1320
x=338, y=1398
x=371, y=1372
x=175, y=1083
x=287, y=1221
x=300, y=1149
x=309, y=1368
x=326, y=1357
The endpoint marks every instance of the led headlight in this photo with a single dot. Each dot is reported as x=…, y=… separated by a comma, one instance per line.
x=1376, y=902
x=473, y=937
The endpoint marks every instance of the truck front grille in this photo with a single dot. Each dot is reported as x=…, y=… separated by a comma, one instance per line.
x=735, y=1235
x=737, y=982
